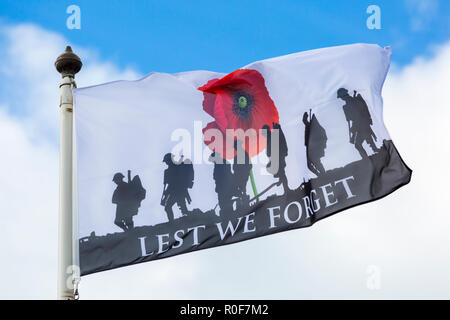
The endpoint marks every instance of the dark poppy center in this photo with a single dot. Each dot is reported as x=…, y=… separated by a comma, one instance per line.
x=242, y=101
x=242, y=104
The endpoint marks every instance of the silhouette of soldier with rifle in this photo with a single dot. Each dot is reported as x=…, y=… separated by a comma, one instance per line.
x=224, y=183
x=128, y=198
x=359, y=121
x=315, y=142
x=178, y=178
x=277, y=162
x=241, y=173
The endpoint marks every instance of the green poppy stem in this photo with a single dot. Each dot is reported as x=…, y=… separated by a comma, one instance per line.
x=255, y=191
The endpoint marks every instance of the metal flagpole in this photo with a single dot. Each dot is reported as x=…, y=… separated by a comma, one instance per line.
x=67, y=64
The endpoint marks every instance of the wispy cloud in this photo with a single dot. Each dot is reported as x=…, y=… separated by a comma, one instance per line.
x=421, y=13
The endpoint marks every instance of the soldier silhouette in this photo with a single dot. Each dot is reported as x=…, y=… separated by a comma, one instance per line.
x=224, y=183
x=178, y=178
x=128, y=198
x=241, y=172
x=359, y=121
x=315, y=142
x=277, y=162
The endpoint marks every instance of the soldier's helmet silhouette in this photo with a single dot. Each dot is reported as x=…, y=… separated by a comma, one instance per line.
x=342, y=92
x=118, y=177
x=168, y=158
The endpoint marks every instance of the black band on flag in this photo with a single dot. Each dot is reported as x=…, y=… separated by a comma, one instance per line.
x=357, y=183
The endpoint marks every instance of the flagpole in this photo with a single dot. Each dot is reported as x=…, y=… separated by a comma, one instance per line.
x=67, y=64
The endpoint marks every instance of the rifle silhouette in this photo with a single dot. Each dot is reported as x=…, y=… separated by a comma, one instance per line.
x=265, y=190
x=164, y=195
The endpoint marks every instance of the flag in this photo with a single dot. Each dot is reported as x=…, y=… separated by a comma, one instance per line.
x=174, y=163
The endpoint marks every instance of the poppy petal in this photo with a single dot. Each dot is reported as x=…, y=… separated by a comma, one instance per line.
x=220, y=102
x=216, y=140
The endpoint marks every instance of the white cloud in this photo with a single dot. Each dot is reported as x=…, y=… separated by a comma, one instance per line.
x=28, y=56
x=405, y=234
x=29, y=211
x=29, y=128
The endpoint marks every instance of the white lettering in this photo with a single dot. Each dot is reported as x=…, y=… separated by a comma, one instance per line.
x=346, y=186
x=229, y=227
x=326, y=195
x=272, y=216
x=143, y=248
x=286, y=212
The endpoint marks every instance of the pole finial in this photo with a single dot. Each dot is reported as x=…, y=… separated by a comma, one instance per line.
x=68, y=63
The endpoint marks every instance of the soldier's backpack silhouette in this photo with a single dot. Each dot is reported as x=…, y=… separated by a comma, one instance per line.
x=178, y=178
x=277, y=162
x=136, y=189
x=188, y=173
x=315, y=142
x=128, y=197
x=359, y=121
x=241, y=170
x=225, y=187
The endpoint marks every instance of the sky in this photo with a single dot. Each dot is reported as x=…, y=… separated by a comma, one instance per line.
x=400, y=241
x=173, y=36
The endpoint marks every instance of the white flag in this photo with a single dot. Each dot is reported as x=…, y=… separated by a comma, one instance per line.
x=174, y=163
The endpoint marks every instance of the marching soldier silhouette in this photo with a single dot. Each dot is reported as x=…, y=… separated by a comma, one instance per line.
x=359, y=121
x=178, y=178
x=277, y=162
x=241, y=173
x=224, y=183
x=128, y=198
x=315, y=142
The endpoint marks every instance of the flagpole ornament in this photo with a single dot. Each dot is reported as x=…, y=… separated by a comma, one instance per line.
x=67, y=64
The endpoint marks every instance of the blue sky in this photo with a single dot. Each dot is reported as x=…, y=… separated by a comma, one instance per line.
x=174, y=36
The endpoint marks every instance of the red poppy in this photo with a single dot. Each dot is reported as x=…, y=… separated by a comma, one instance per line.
x=239, y=100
